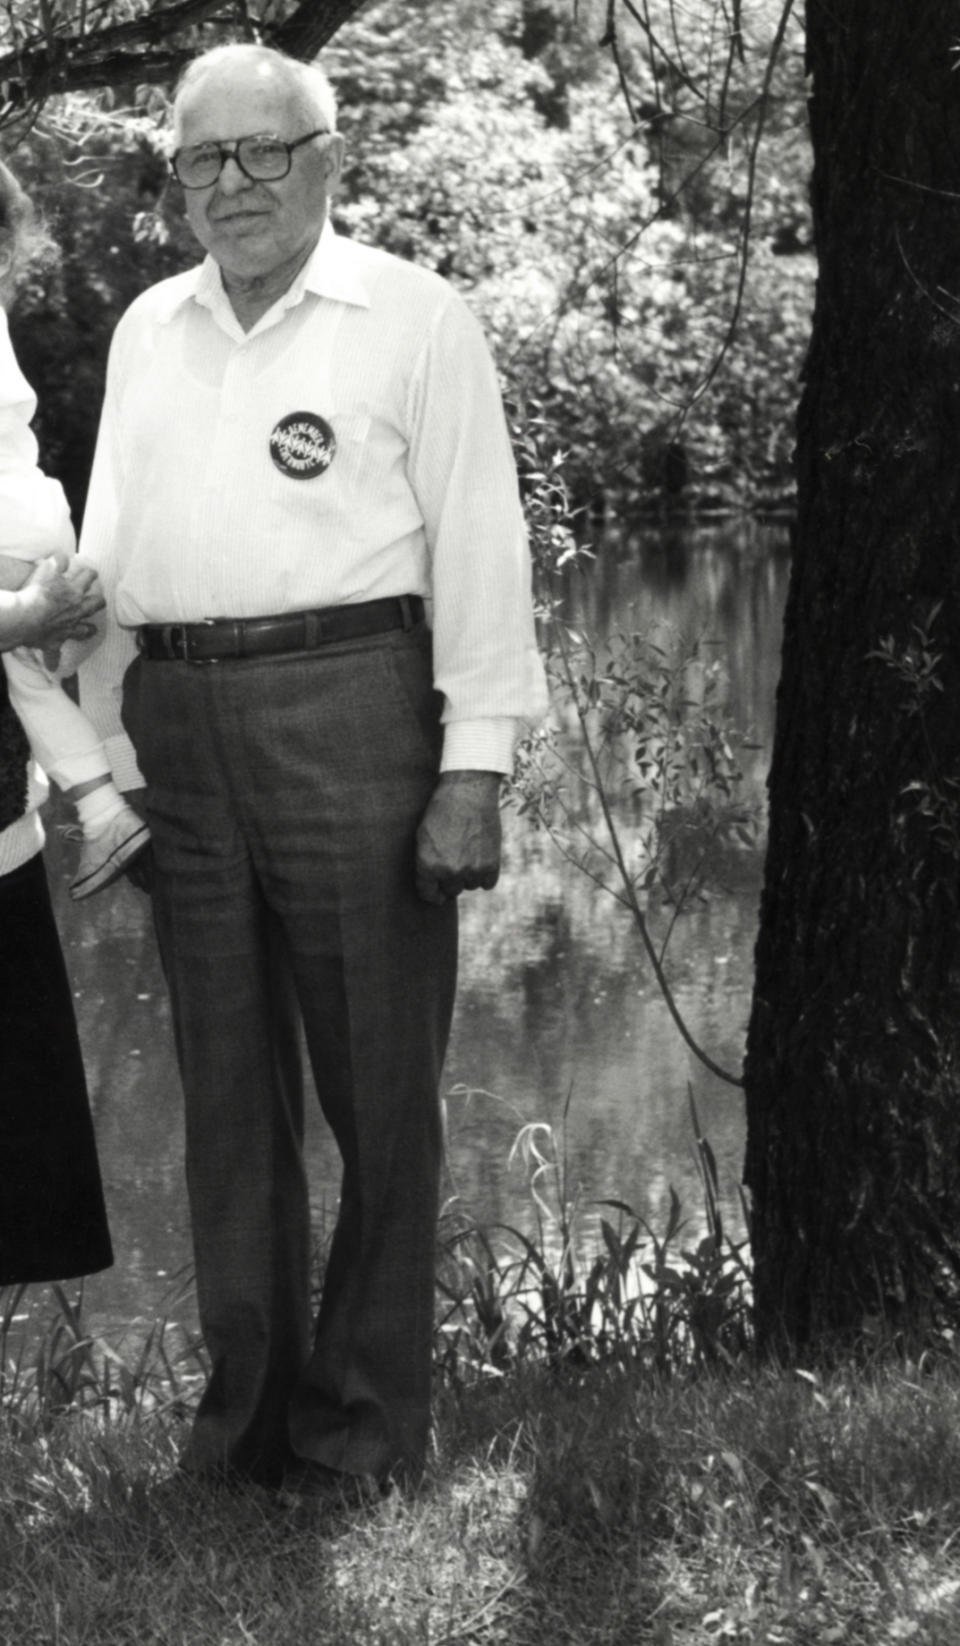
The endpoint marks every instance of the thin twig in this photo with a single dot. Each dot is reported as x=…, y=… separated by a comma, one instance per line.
x=746, y=228
x=610, y=38
x=630, y=895
x=655, y=45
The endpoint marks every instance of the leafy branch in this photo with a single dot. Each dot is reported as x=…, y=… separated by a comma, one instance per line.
x=636, y=731
x=916, y=665
x=666, y=62
x=628, y=888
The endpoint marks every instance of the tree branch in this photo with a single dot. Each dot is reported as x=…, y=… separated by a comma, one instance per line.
x=314, y=22
x=89, y=60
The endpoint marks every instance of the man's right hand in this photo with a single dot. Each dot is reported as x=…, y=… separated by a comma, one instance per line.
x=50, y=607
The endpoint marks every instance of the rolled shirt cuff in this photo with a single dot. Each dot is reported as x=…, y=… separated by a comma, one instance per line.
x=479, y=745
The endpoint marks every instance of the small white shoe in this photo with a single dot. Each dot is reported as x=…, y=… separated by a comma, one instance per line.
x=105, y=856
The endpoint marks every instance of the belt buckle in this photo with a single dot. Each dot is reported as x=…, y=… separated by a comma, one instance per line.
x=177, y=637
x=173, y=638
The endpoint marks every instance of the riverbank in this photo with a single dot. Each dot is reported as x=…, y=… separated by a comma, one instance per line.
x=600, y=1508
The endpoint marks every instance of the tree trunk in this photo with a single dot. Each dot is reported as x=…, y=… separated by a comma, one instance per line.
x=853, y=1050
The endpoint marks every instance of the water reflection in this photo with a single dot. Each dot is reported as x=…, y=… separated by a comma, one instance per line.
x=557, y=1013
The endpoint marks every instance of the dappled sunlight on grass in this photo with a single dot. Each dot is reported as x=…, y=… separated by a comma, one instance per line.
x=594, y=1508
x=582, y=1489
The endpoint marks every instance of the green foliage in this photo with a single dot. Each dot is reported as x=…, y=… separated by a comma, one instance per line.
x=66, y=1368
x=99, y=195
x=602, y=254
x=602, y=251
x=637, y=776
x=505, y=1300
x=661, y=747
x=52, y=47
x=655, y=1302
x=774, y=1507
x=917, y=664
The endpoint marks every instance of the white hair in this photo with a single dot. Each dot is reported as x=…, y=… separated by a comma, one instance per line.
x=308, y=83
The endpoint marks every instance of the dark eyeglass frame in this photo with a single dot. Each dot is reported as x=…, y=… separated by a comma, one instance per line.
x=232, y=149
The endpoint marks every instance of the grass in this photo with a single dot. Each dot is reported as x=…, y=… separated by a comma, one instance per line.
x=610, y=1467
x=574, y=1508
x=663, y=1301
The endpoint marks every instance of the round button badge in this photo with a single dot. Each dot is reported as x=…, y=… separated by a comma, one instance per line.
x=303, y=445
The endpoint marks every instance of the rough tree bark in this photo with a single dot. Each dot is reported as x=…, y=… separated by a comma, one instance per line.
x=853, y=1055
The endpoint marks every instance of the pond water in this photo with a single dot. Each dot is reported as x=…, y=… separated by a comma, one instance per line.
x=558, y=1018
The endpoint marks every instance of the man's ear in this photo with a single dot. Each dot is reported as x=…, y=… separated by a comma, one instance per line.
x=333, y=159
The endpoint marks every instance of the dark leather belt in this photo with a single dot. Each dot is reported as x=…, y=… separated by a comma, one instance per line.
x=218, y=639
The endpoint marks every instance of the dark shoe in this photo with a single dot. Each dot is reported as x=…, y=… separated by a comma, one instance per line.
x=195, y=1482
x=336, y=1488
x=177, y=1496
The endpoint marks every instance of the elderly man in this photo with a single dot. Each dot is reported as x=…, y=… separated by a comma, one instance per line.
x=302, y=444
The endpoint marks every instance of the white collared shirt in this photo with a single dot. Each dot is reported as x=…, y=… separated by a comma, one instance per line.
x=189, y=516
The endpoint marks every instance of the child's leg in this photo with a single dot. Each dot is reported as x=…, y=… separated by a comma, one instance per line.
x=62, y=738
x=68, y=749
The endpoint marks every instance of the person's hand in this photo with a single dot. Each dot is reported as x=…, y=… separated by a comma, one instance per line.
x=459, y=838
x=50, y=607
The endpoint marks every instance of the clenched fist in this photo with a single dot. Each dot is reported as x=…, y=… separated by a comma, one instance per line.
x=459, y=838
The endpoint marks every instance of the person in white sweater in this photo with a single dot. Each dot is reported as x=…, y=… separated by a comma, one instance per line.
x=36, y=532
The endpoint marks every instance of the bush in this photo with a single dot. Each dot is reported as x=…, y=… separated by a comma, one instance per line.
x=602, y=256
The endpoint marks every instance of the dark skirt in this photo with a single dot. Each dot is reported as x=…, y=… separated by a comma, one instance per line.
x=53, y=1224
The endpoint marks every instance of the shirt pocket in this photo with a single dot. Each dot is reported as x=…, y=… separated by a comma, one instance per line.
x=330, y=495
x=352, y=430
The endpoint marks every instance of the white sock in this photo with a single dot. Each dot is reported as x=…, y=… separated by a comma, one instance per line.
x=98, y=809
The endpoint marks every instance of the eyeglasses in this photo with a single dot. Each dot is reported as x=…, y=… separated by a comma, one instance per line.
x=263, y=158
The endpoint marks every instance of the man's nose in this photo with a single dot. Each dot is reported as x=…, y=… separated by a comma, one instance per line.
x=232, y=180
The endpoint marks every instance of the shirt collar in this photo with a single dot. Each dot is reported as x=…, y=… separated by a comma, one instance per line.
x=334, y=270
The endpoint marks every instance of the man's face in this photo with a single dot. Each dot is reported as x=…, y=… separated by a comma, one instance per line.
x=256, y=229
